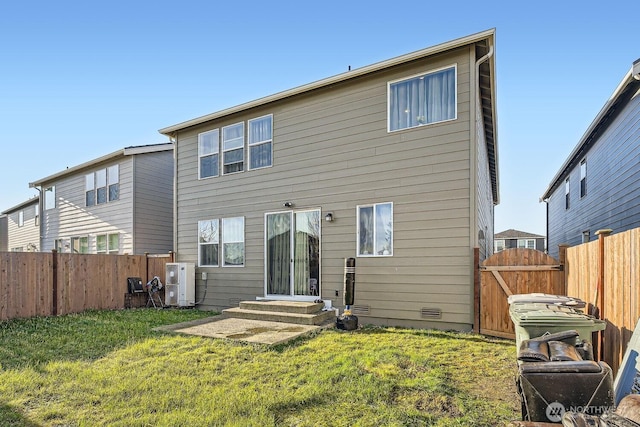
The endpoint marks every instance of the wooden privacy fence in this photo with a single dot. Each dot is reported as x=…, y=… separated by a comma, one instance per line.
x=508, y=272
x=606, y=273
x=46, y=284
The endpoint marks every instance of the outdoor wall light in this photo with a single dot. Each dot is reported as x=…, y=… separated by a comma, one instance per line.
x=288, y=204
x=328, y=217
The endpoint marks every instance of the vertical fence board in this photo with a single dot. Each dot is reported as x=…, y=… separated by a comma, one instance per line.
x=621, y=287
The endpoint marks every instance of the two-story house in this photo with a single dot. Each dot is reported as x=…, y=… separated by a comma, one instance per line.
x=120, y=203
x=511, y=238
x=598, y=186
x=22, y=232
x=394, y=164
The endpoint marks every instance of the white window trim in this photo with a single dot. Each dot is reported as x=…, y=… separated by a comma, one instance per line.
x=526, y=243
x=200, y=264
x=222, y=242
x=250, y=144
x=432, y=71
x=583, y=178
x=374, y=254
x=108, y=250
x=216, y=152
x=224, y=150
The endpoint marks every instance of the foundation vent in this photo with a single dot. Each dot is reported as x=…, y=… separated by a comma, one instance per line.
x=430, y=313
x=360, y=309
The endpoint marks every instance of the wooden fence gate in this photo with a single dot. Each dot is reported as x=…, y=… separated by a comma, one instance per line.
x=514, y=271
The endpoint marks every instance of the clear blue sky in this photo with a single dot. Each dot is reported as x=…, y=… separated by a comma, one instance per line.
x=80, y=79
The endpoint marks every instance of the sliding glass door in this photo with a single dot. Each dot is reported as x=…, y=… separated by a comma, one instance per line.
x=292, y=250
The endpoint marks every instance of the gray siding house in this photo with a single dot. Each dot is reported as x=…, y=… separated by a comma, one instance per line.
x=394, y=164
x=598, y=186
x=3, y=233
x=23, y=227
x=121, y=203
x=511, y=238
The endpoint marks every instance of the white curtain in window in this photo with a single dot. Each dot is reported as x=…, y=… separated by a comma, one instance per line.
x=233, y=240
x=260, y=135
x=421, y=100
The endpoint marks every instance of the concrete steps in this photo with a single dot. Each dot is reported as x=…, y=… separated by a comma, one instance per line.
x=298, y=312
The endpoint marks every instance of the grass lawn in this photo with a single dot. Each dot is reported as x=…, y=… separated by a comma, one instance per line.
x=109, y=368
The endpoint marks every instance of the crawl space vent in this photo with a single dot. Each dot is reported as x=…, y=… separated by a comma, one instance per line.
x=360, y=309
x=430, y=313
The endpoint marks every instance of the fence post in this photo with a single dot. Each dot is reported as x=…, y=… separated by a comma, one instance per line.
x=601, y=236
x=562, y=258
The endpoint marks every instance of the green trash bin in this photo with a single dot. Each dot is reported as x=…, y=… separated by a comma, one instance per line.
x=533, y=320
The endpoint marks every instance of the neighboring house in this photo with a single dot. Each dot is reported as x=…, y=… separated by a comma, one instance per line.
x=121, y=203
x=394, y=164
x=598, y=186
x=3, y=234
x=518, y=239
x=23, y=226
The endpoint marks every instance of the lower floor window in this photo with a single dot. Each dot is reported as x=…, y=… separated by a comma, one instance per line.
x=107, y=243
x=375, y=229
x=80, y=245
x=233, y=241
x=232, y=237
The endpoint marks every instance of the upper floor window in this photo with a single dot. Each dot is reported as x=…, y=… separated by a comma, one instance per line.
x=422, y=99
x=102, y=186
x=90, y=189
x=208, y=149
x=260, y=138
x=375, y=229
x=20, y=218
x=50, y=198
x=37, y=215
x=583, y=178
x=566, y=194
x=233, y=148
x=113, y=181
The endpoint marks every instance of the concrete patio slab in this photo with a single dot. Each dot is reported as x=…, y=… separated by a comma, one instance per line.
x=253, y=331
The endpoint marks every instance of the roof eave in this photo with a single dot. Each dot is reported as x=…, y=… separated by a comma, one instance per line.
x=127, y=151
x=600, y=118
x=20, y=205
x=443, y=47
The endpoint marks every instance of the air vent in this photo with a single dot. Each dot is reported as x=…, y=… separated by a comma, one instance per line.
x=360, y=309
x=430, y=313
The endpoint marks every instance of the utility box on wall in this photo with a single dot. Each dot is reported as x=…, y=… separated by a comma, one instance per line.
x=180, y=283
